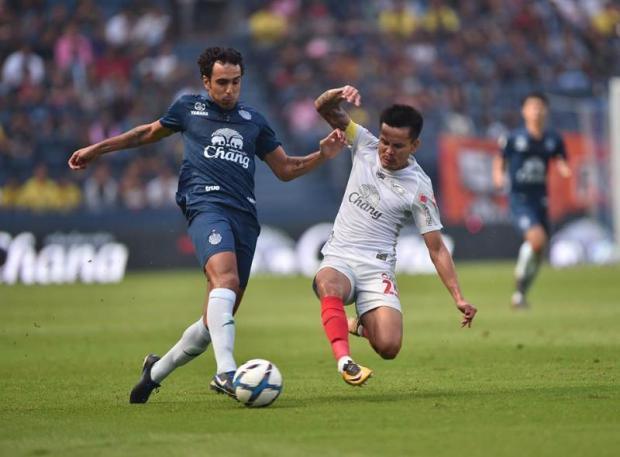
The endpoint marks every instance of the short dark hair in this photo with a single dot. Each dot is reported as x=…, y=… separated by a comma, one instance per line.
x=535, y=94
x=403, y=116
x=207, y=59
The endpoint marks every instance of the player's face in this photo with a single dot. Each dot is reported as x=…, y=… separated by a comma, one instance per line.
x=395, y=147
x=224, y=85
x=534, y=111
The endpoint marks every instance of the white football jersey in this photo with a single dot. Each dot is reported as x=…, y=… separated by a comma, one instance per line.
x=378, y=202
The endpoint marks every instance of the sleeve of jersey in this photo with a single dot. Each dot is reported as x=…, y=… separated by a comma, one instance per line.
x=358, y=137
x=560, y=149
x=504, y=145
x=174, y=119
x=426, y=212
x=266, y=141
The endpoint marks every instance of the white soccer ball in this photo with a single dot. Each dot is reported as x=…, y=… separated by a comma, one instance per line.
x=257, y=382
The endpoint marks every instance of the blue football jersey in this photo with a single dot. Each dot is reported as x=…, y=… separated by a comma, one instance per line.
x=528, y=160
x=220, y=146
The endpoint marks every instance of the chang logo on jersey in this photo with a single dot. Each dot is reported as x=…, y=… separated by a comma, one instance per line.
x=533, y=171
x=227, y=144
x=367, y=199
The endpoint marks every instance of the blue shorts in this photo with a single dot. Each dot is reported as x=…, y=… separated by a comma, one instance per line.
x=528, y=211
x=220, y=229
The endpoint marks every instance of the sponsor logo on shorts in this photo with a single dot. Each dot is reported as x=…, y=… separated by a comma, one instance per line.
x=212, y=188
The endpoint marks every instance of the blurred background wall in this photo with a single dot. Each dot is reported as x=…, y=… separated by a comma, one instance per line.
x=76, y=71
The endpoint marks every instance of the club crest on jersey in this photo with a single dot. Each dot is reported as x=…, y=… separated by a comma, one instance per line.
x=367, y=199
x=245, y=115
x=215, y=238
x=227, y=144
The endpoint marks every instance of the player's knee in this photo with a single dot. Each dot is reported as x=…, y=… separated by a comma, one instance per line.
x=227, y=280
x=388, y=349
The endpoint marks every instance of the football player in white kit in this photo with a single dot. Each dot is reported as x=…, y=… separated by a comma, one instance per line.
x=386, y=188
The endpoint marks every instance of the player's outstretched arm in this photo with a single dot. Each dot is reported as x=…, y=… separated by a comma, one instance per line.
x=287, y=167
x=328, y=105
x=142, y=134
x=563, y=168
x=447, y=272
x=499, y=166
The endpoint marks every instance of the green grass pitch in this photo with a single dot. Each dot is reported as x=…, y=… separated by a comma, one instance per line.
x=544, y=382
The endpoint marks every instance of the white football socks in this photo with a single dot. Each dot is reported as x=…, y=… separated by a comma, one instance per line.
x=194, y=342
x=222, y=327
x=527, y=266
x=342, y=361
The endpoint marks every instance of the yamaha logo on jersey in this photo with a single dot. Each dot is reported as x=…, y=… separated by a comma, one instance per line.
x=227, y=144
x=521, y=143
x=367, y=199
x=199, y=109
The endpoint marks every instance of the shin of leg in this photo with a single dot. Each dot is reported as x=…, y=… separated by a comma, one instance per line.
x=194, y=342
x=331, y=286
x=383, y=327
x=537, y=238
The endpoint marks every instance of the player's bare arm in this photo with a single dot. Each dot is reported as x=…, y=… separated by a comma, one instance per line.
x=142, y=134
x=328, y=104
x=499, y=167
x=287, y=167
x=447, y=272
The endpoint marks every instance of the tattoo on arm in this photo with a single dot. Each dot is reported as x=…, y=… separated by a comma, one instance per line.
x=137, y=136
x=328, y=106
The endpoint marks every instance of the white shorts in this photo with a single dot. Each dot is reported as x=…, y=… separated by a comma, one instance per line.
x=371, y=285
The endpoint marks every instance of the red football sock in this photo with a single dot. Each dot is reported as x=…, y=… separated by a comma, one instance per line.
x=335, y=325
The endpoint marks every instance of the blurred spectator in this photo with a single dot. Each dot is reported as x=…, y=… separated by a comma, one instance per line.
x=132, y=192
x=267, y=25
x=118, y=28
x=39, y=193
x=607, y=20
x=73, y=49
x=161, y=190
x=151, y=26
x=68, y=195
x=23, y=66
x=9, y=193
x=162, y=66
x=440, y=18
x=398, y=19
x=100, y=189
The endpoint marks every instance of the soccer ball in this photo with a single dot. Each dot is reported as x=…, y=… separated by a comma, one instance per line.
x=257, y=382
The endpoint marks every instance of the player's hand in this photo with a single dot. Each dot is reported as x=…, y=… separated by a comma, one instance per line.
x=469, y=312
x=349, y=94
x=80, y=159
x=332, y=144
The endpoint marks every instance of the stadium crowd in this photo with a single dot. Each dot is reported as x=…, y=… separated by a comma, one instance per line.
x=75, y=72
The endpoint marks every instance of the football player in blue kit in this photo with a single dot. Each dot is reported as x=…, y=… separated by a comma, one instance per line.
x=526, y=154
x=222, y=136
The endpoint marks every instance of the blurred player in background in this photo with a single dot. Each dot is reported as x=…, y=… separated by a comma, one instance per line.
x=222, y=137
x=386, y=188
x=526, y=153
